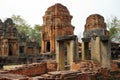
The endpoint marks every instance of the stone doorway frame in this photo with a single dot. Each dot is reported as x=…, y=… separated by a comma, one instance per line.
x=70, y=41
x=100, y=50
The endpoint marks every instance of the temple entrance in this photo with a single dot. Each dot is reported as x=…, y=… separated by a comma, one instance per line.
x=66, y=51
x=21, y=48
x=10, y=50
x=48, y=46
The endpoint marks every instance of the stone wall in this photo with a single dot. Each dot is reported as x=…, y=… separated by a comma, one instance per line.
x=35, y=68
x=30, y=70
x=8, y=38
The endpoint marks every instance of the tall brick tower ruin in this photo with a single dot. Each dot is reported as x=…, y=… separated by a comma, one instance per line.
x=96, y=42
x=56, y=22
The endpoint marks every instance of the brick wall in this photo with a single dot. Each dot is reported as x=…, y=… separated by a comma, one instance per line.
x=31, y=69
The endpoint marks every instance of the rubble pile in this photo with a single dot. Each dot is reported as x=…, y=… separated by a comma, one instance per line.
x=114, y=66
x=83, y=70
x=91, y=67
x=70, y=75
x=51, y=65
x=30, y=70
x=86, y=66
x=34, y=69
x=13, y=77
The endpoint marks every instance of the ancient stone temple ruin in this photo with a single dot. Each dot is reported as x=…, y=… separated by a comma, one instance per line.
x=58, y=37
x=96, y=43
x=30, y=47
x=56, y=22
x=14, y=48
x=8, y=38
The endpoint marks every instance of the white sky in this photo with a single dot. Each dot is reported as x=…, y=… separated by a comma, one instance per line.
x=33, y=10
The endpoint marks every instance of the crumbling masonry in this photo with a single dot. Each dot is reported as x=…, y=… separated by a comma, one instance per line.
x=56, y=22
x=96, y=42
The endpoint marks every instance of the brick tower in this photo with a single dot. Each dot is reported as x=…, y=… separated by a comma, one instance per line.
x=56, y=22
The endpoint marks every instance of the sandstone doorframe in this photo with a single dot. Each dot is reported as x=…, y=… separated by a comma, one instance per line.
x=101, y=50
x=71, y=43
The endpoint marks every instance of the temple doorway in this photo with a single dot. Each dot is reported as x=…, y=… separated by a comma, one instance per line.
x=48, y=46
x=21, y=49
x=10, y=50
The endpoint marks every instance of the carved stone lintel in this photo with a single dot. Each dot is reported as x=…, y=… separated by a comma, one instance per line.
x=104, y=38
x=86, y=39
x=66, y=37
x=97, y=32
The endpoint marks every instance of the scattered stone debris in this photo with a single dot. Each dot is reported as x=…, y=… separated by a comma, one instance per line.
x=30, y=70
x=51, y=65
x=13, y=77
x=114, y=66
x=75, y=75
x=86, y=66
x=34, y=69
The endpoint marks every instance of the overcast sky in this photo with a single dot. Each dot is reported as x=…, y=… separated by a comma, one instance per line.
x=33, y=10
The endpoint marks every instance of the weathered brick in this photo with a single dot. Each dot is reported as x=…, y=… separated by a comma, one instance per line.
x=51, y=65
x=31, y=69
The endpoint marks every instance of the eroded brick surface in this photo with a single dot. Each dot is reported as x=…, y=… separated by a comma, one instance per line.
x=56, y=22
x=51, y=65
x=31, y=69
x=86, y=66
x=114, y=66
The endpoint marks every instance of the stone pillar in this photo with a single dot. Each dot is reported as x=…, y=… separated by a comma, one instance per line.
x=83, y=50
x=106, y=53
x=70, y=52
x=15, y=49
x=43, y=46
x=5, y=48
x=96, y=49
x=60, y=55
x=101, y=50
x=52, y=45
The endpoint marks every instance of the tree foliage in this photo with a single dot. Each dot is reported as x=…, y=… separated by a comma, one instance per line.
x=36, y=33
x=114, y=29
x=25, y=28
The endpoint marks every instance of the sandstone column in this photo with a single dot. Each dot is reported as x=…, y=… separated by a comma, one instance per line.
x=100, y=50
x=60, y=55
x=70, y=52
x=83, y=50
x=106, y=53
x=95, y=49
